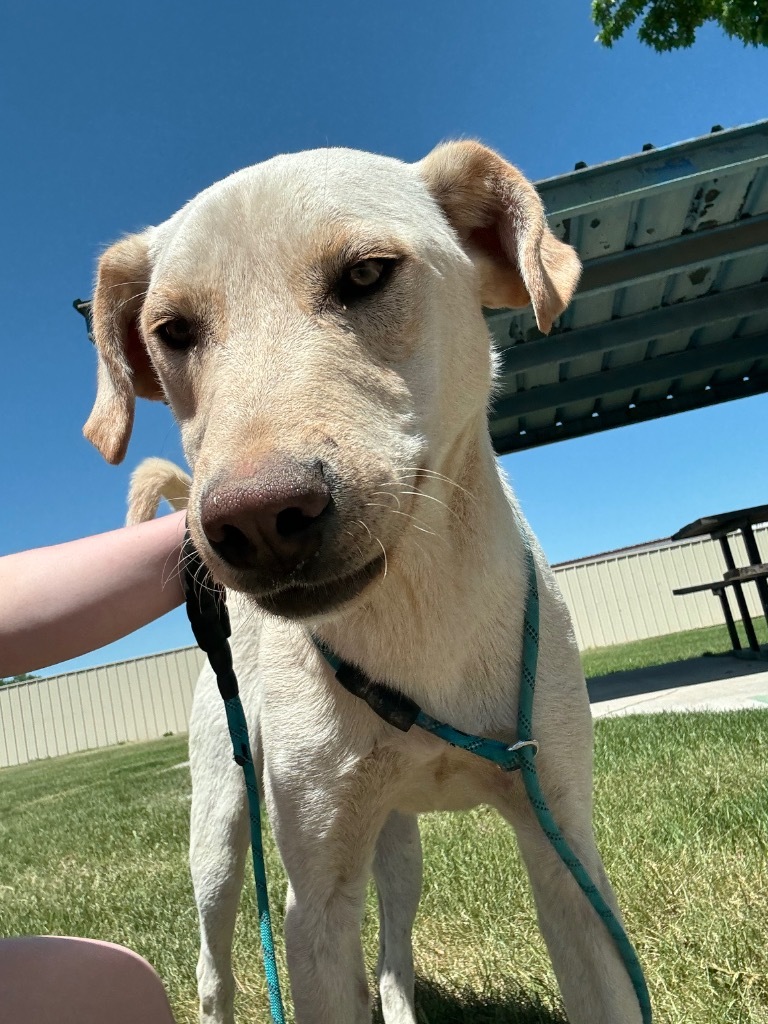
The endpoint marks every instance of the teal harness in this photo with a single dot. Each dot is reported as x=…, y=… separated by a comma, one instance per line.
x=210, y=623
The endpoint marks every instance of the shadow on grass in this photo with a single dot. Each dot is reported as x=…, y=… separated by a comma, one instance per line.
x=677, y=674
x=436, y=1005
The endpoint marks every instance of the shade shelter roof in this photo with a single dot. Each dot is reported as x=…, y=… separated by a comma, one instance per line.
x=672, y=310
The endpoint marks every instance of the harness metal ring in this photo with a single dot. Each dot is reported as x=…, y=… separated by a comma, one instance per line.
x=524, y=743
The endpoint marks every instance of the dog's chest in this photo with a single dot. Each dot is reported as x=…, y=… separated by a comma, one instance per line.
x=437, y=777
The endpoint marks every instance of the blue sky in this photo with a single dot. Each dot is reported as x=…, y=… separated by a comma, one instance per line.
x=112, y=116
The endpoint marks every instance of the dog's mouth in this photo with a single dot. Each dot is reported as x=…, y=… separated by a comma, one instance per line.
x=295, y=600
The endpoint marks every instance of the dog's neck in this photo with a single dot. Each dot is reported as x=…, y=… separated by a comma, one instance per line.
x=447, y=616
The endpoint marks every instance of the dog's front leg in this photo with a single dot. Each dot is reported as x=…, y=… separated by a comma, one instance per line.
x=594, y=983
x=326, y=831
x=397, y=870
x=325, y=958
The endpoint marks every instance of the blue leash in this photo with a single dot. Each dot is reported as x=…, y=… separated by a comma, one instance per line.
x=238, y=731
x=207, y=612
x=541, y=810
x=210, y=624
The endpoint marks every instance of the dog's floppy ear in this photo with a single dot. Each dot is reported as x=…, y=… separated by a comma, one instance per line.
x=125, y=370
x=500, y=219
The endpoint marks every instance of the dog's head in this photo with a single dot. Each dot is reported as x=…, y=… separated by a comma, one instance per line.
x=315, y=323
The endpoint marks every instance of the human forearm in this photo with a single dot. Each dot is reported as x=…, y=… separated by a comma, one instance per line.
x=59, y=602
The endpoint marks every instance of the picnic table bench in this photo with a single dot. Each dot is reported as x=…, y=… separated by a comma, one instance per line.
x=718, y=527
x=748, y=573
x=732, y=578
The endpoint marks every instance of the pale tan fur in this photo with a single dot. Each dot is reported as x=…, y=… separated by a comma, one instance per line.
x=153, y=481
x=125, y=370
x=521, y=260
x=390, y=396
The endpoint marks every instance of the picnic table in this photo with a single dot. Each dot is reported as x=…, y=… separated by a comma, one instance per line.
x=718, y=527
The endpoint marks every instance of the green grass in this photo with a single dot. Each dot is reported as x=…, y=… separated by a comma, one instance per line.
x=95, y=844
x=660, y=650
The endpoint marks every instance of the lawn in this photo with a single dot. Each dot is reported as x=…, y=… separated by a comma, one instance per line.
x=660, y=650
x=95, y=844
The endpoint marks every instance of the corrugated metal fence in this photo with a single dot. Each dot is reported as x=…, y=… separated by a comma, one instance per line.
x=626, y=595
x=141, y=699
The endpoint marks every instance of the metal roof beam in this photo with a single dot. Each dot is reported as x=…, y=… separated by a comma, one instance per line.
x=689, y=315
x=654, y=172
x=660, y=259
x=674, y=255
x=651, y=371
x=505, y=442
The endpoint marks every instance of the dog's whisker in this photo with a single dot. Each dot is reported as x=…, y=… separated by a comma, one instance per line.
x=182, y=563
x=421, y=529
x=249, y=617
x=416, y=470
x=384, y=552
x=200, y=584
x=420, y=525
x=365, y=526
x=125, y=284
x=431, y=497
x=352, y=538
x=134, y=297
x=390, y=494
x=175, y=571
x=421, y=549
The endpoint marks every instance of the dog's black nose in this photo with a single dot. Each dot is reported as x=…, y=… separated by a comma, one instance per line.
x=271, y=520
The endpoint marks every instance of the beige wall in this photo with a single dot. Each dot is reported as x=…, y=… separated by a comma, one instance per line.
x=613, y=598
x=97, y=707
x=628, y=595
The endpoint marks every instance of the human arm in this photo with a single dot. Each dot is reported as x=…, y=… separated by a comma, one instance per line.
x=59, y=602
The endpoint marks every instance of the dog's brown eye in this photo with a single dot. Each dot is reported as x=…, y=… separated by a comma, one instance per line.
x=366, y=273
x=364, y=278
x=177, y=333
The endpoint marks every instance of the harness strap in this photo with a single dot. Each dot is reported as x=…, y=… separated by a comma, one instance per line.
x=402, y=712
x=391, y=705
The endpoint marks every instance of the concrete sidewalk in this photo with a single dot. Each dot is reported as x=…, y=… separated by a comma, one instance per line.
x=718, y=683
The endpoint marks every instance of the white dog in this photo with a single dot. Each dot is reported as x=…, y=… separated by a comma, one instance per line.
x=315, y=323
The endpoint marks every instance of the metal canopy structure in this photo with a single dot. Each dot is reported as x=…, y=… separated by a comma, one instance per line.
x=672, y=309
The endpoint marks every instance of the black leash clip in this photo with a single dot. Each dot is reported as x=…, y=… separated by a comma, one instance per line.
x=206, y=603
